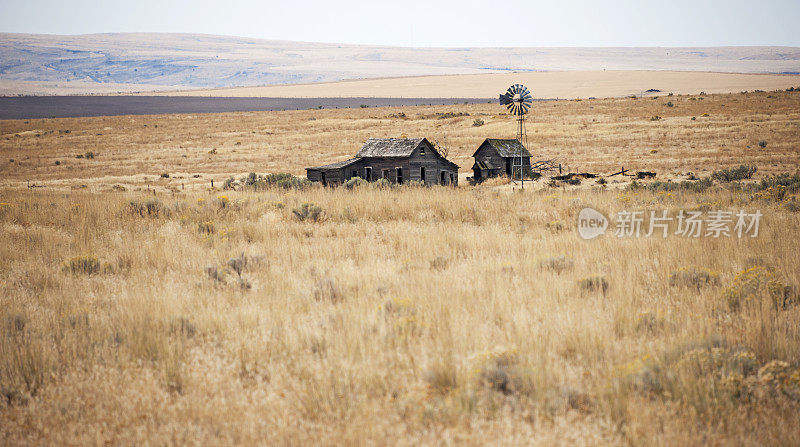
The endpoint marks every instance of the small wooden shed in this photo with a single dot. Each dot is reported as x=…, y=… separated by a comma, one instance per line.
x=496, y=157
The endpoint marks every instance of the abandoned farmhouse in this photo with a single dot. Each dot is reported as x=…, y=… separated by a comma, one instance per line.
x=398, y=160
x=496, y=157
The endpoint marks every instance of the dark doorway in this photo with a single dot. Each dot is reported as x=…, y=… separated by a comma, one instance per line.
x=508, y=166
x=422, y=175
x=400, y=176
x=368, y=174
x=324, y=183
x=443, y=180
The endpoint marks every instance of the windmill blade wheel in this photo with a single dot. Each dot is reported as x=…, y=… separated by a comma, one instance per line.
x=517, y=99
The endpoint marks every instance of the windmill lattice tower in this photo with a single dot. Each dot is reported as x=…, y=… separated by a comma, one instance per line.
x=517, y=100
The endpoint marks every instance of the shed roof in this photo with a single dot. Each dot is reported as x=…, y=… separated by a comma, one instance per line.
x=482, y=165
x=337, y=165
x=506, y=147
x=390, y=147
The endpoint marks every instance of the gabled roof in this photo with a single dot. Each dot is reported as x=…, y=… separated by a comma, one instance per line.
x=337, y=165
x=505, y=147
x=390, y=147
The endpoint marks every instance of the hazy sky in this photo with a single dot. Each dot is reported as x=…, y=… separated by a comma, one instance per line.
x=430, y=22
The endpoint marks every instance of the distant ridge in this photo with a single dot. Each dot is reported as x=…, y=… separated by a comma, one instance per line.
x=126, y=62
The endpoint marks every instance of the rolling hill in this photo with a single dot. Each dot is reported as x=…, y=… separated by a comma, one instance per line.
x=129, y=62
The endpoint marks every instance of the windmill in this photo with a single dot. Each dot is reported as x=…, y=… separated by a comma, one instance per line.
x=517, y=100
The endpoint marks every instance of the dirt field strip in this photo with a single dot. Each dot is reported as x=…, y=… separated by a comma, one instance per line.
x=544, y=85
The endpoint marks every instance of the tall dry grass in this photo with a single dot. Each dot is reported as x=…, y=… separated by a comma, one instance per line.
x=401, y=316
x=136, y=307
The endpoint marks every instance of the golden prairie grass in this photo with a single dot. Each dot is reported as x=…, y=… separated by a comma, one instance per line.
x=404, y=315
x=470, y=315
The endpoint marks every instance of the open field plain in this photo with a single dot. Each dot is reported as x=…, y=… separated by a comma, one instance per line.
x=139, y=305
x=590, y=135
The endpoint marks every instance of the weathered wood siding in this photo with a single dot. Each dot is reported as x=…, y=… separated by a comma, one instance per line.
x=411, y=168
x=433, y=165
x=487, y=153
x=313, y=175
x=332, y=176
x=502, y=165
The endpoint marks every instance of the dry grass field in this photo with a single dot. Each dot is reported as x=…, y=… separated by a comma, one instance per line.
x=696, y=134
x=141, y=309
